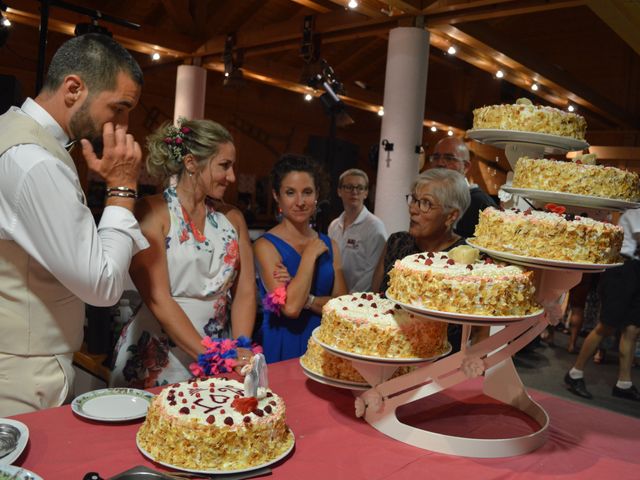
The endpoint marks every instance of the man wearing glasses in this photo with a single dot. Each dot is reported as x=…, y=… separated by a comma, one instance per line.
x=452, y=153
x=359, y=234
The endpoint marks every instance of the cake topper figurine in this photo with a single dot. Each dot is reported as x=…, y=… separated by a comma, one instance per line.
x=256, y=380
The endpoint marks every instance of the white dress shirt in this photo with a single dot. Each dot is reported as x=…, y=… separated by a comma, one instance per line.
x=360, y=244
x=630, y=222
x=42, y=209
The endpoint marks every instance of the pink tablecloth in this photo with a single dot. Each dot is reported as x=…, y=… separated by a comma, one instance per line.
x=584, y=443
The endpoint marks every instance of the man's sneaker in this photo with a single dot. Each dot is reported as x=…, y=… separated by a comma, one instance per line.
x=630, y=393
x=577, y=386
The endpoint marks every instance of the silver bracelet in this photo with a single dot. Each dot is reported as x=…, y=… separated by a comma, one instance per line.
x=310, y=299
x=122, y=194
x=121, y=189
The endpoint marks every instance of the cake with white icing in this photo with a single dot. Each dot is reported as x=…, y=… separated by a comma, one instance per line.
x=526, y=117
x=208, y=424
x=467, y=284
x=582, y=176
x=368, y=324
x=549, y=235
x=320, y=361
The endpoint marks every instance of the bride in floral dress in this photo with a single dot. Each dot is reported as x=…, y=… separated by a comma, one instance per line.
x=198, y=264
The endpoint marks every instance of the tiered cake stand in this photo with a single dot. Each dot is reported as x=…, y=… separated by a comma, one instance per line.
x=490, y=357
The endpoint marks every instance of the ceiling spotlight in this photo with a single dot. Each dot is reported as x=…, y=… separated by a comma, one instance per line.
x=534, y=87
x=381, y=111
x=433, y=128
x=499, y=74
x=571, y=108
x=308, y=97
x=352, y=4
x=450, y=133
x=451, y=50
x=155, y=56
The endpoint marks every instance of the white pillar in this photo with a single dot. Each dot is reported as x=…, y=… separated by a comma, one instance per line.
x=405, y=90
x=191, y=85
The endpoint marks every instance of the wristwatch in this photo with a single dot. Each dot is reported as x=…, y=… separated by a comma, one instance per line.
x=310, y=299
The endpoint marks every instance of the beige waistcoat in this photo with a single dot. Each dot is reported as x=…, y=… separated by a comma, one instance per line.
x=38, y=315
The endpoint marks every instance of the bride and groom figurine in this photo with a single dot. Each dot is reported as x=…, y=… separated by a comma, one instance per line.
x=256, y=381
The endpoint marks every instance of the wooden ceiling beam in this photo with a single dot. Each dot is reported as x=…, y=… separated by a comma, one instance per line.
x=138, y=41
x=623, y=17
x=284, y=77
x=315, y=6
x=178, y=12
x=487, y=10
x=525, y=67
x=290, y=32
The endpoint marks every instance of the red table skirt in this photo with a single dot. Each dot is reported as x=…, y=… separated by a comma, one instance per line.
x=331, y=443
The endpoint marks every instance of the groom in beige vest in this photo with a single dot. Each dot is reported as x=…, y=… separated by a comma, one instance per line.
x=53, y=258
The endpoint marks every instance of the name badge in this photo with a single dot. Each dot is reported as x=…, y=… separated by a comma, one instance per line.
x=352, y=243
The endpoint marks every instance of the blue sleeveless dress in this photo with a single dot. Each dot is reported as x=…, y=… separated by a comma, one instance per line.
x=283, y=337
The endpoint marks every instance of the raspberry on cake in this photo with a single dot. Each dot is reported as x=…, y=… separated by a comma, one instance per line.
x=368, y=324
x=526, y=117
x=549, y=235
x=578, y=177
x=436, y=281
x=208, y=424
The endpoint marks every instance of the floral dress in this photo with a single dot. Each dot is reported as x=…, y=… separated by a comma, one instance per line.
x=202, y=268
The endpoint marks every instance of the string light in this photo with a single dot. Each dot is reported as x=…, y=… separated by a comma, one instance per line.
x=433, y=128
x=352, y=4
x=571, y=108
x=6, y=22
x=499, y=74
x=450, y=133
x=534, y=87
x=308, y=97
x=381, y=111
x=155, y=56
x=451, y=50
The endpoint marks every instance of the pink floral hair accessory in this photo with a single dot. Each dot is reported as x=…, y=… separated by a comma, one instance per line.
x=473, y=367
x=175, y=140
x=274, y=300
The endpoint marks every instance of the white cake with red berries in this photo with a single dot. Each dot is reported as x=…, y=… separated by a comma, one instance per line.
x=322, y=362
x=208, y=424
x=526, y=117
x=552, y=235
x=368, y=324
x=582, y=176
x=462, y=281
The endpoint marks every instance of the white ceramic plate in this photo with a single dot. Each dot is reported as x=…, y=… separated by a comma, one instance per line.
x=334, y=382
x=17, y=473
x=376, y=360
x=22, y=441
x=454, y=317
x=219, y=472
x=112, y=404
x=548, y=143
x=544, y=263
x=573, y=199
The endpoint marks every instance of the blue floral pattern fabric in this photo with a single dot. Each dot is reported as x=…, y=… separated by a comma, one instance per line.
x=202, y=267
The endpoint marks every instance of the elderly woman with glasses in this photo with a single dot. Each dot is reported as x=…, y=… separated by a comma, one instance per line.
x=438, y=198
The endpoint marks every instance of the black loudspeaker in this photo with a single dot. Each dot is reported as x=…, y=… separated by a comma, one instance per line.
x=334, y=156
x=10, y=92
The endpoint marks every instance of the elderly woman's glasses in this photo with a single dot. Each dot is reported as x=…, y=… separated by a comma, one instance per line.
x=353, y=188
x=445, y=157
x=425, y=205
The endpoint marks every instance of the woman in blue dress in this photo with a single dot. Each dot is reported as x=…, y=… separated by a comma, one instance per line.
x=311, y=259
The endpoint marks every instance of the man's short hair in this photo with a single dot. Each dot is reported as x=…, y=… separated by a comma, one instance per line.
x=353, y=172
x=96, y=58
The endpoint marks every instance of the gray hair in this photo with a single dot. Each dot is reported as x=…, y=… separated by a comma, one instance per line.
x=449, y=187
x=353, y=172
